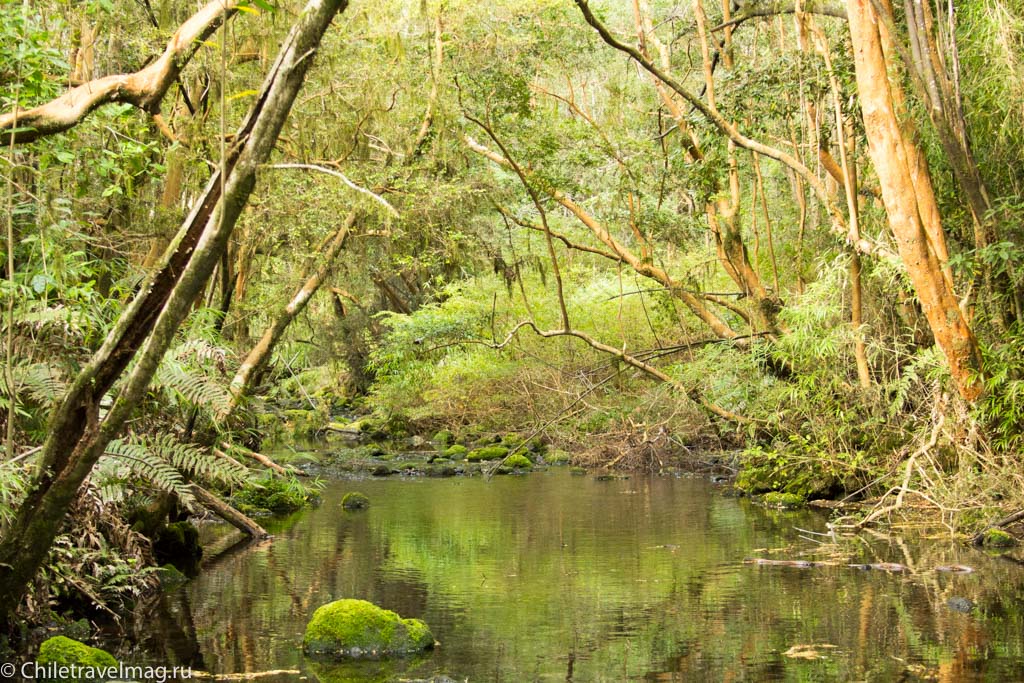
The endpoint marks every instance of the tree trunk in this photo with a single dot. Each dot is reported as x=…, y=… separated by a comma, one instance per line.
x=256, y=361
x=910, y=202
x=77, y=435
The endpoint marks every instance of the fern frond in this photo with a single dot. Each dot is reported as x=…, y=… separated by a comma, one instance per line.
x=38, y=380
x=196, y=387
x=143, y=462
x=195, y=461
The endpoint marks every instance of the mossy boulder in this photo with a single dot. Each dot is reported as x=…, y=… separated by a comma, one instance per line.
x=997, y=538
x=443, y=437
x=354, y=500
x=359, y=629
x=456, y=451
x=64, y=651
x=178, y=544
x=487, y=453
x=518, y=461
x=783, y=501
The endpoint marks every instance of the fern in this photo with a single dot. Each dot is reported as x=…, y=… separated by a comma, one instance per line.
x=133, y=457
x=197, y=462
x=38, y=380
x=196, y=387
x=161, y=460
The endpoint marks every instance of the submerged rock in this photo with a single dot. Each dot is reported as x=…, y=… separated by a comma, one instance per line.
x=354, y=500
x=65, y=652
x=359, y=629
x=962, y=605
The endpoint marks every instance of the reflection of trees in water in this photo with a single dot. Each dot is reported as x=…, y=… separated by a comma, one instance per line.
x=553, y=576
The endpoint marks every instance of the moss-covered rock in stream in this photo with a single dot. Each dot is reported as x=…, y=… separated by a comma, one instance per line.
x=443, y=438
x=487, y=453
x=456, y=452
x=359, y=629
x=272, y=494
x=64, y=651
x=170, y=576
x=783, y=501
x=518, y=461
x=354, y=500
x=997, y=538
x=177, y=544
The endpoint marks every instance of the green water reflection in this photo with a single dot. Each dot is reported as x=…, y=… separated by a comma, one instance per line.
x=555, y=577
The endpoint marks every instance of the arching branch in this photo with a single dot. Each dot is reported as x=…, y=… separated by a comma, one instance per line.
x=752, y=10
x=144, y=88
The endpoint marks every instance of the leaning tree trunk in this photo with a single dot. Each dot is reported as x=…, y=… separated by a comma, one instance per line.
x=77, y=435
x=910, y=202
x=255, y=362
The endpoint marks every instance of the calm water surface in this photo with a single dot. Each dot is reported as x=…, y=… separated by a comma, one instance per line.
x=554, y=577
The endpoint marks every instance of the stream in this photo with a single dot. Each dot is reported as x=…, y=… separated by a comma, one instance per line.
x=556, y=577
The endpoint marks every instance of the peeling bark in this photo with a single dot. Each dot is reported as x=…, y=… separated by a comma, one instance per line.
x=909, y=201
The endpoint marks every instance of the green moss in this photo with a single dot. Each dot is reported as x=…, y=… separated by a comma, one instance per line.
x=786, y=501
x=578, y=471
x=355, y=500
x=537, y=445
x=997, y=538
x=443, y=437
x=357, y=628
x=487, y=453
x=65, y=651
x=512, y=440
x=455, y=452
x=518, y=460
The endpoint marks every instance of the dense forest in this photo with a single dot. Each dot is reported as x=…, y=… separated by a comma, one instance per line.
x=781, y=240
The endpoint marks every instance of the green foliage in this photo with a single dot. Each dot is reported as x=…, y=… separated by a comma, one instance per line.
x=274, y=494
x=786, y=501
x=31, y=64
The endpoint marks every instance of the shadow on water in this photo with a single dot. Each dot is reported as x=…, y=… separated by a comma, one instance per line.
x=553, y=577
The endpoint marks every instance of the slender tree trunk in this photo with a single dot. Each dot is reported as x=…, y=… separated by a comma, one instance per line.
x=909, y=201
x=251, y=369
x=78, y=436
